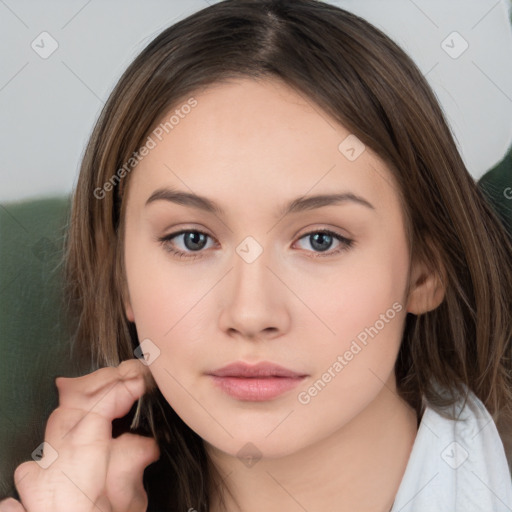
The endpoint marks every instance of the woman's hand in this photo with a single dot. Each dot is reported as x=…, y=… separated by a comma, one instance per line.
x=91, y=471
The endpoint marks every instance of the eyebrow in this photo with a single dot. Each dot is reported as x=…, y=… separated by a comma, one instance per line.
x=295, y=206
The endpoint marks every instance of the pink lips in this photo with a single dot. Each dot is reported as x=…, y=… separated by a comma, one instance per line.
x=260, y=382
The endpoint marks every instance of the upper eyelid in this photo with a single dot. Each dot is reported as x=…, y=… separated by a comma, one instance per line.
x=199, y=230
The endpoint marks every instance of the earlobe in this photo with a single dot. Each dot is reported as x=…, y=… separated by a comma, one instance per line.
x=129, y=311
x=427, y=289
x=127, y=303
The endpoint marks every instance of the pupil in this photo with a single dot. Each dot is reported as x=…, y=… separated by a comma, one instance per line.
x=318, y=244
x=194, y=238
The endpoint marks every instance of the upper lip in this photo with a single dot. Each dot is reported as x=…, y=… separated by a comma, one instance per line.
x=262, y=369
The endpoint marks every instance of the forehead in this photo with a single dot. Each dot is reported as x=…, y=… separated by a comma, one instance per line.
x=246, y=141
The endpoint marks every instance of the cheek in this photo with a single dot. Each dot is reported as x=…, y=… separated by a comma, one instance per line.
x=167, y=306
x=366, y=290
x=364, y=308
x=172, y=307
x=162, y=293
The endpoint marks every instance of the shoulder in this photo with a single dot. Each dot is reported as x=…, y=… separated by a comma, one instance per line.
x=456, y=465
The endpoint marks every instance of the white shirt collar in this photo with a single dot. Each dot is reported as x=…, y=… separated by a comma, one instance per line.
x=456, y=466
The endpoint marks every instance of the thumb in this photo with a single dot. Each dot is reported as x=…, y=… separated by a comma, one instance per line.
x=11, y=505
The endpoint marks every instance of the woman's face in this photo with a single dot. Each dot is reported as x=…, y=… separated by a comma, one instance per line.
x=261, y=285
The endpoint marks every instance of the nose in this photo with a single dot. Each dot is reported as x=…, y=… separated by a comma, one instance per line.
x=254, y=298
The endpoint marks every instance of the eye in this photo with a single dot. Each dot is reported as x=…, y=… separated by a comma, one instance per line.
x=195, y=240
x=322, y=241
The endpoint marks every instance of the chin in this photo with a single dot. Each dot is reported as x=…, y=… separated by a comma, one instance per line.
x=244, y=435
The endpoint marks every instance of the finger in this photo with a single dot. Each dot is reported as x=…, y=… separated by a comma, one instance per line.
x=74, y=427
x=141, y=451
x=25, y=475
x=93, y=423
x=130, y=454
x=78, y=427
x=11, y=505
x=78, y=392
x=110, y=394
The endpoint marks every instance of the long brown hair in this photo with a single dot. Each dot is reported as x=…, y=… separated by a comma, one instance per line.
x=356, y=74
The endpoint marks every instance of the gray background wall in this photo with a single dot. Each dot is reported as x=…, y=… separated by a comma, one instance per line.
x=48, y=103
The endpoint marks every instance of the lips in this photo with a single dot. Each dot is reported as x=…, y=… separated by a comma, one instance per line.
x=255, y=383
x=260, y=370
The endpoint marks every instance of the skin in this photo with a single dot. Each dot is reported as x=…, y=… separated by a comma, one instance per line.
x=252, y=147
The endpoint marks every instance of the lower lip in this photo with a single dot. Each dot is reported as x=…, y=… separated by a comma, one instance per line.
x=256, y=389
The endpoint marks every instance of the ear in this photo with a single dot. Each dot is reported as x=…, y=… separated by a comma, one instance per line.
x=427, y=287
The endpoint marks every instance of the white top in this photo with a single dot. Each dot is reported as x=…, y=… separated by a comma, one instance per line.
x=456, y=466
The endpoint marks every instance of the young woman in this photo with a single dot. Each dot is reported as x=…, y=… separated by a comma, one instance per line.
x=286, y=277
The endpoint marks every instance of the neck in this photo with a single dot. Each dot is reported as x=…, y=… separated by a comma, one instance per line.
x=357, y=468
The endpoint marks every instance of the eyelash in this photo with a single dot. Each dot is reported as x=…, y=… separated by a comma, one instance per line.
x=346, y=243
